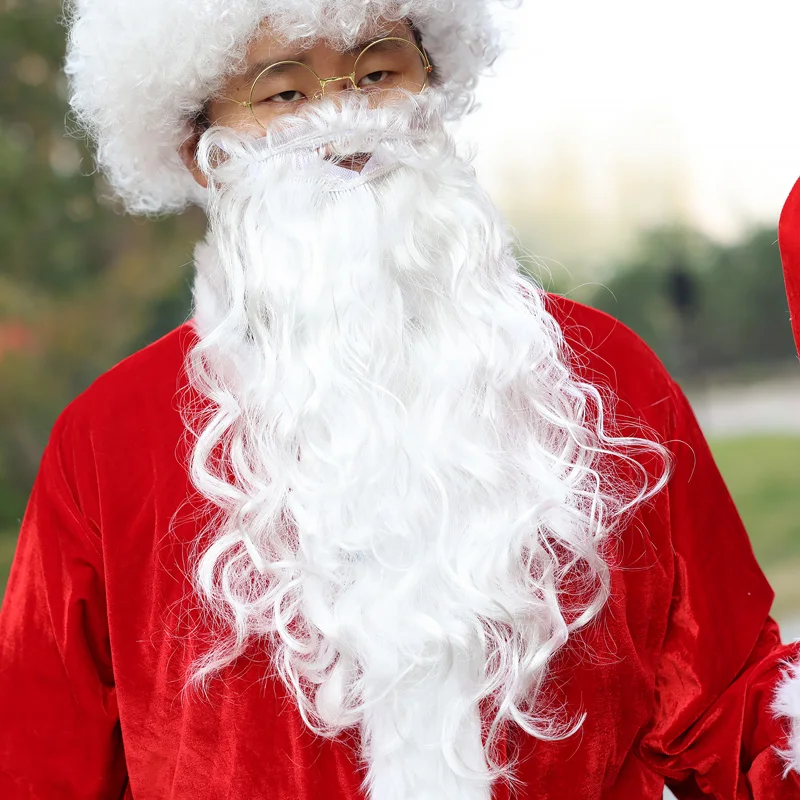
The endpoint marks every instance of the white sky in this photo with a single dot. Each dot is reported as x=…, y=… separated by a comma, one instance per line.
x=693, y=105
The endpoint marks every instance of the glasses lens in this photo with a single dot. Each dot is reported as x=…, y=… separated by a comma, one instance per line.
x=282, y=89
x=389, y=65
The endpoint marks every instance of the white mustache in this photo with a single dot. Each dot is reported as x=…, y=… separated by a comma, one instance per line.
x=331, y=152
x=329, y=130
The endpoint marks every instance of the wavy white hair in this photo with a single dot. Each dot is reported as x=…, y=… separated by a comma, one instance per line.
x=140, y=70
x=415, y=491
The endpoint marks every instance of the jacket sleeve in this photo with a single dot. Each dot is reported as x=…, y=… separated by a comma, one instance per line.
x=60, y=732
x=727, y=689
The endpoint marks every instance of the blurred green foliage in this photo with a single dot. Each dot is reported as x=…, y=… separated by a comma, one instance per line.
x=81, y=284
x=763, y=474
x=701, y=305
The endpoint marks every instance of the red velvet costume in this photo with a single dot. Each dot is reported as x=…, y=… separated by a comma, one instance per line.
x=677, y=676
x=789, y=238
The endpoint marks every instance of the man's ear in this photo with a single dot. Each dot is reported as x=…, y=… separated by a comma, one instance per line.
x=188, y=154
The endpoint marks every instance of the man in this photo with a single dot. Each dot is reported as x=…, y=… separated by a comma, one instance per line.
x=383, y=519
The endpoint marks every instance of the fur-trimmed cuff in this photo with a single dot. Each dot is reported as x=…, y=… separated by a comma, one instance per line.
x=787, y=706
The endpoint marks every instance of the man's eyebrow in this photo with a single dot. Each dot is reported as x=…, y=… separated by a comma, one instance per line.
x=256, y=69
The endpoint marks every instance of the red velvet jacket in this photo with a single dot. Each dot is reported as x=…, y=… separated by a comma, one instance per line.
x=789, y=238
x=677, y=679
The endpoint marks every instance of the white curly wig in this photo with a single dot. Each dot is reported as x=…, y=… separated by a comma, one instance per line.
x=140, y=70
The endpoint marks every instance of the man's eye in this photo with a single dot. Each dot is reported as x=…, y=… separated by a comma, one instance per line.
x=289, y=96
x=374, y=78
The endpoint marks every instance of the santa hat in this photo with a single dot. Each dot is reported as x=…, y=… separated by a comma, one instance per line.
x=789, y=241
x=139, y=70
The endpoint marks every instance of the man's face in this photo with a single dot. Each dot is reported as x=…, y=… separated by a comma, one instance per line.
x=229, y=106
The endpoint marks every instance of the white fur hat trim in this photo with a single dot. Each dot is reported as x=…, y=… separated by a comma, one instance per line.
x=139, y=70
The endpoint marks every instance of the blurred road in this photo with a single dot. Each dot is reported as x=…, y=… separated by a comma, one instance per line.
x=790, y=629
x=768, y=406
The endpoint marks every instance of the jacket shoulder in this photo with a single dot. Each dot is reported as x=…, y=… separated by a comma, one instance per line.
x=145, y=380
x=608, y=354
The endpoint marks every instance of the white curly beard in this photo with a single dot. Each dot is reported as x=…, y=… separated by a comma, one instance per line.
x=404, y=452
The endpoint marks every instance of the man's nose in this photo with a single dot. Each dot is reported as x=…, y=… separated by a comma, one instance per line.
x=334, y=85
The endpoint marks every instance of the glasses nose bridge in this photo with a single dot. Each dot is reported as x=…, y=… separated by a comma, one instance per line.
x=325, y=81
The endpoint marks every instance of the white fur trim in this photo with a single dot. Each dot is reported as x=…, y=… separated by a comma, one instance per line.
x=140, y=69
x=787, y=706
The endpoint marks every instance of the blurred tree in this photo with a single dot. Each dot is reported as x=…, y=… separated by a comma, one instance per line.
x=702, y=305
x=81, y=284
x=745, y=316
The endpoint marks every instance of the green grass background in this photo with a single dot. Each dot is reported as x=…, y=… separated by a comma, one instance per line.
x=763, y=475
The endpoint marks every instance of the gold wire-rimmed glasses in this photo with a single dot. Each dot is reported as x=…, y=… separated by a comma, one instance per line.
x=384, y=68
